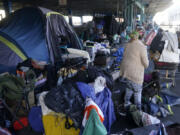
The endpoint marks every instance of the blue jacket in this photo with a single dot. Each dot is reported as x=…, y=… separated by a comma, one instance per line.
x=103, y=100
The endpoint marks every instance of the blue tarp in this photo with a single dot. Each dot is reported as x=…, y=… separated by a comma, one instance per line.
x=26, y=28
x=169, y=99
x=35, y=119
x=103, y=100
x=119, y=54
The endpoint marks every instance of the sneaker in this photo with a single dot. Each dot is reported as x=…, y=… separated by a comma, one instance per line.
x=122, y=111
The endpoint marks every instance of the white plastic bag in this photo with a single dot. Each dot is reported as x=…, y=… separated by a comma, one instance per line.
x=169, y=56
x=99, y=84
x=149, y=120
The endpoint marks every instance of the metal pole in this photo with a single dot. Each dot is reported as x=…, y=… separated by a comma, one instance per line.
x=117, y=8
x=70, y=18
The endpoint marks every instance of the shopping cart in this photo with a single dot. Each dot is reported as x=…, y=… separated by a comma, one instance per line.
x=167, y=71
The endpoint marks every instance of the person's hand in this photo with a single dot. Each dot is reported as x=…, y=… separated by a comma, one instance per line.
x=37, y=65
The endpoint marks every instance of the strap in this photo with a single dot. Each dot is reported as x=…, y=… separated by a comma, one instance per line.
x=67, y=124
x=52, y=13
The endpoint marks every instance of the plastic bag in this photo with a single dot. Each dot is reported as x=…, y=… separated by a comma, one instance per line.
x=149, y=120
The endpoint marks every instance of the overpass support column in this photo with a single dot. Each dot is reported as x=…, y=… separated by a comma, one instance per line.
x=7, y=6
x=70, y=18
x=128, y=14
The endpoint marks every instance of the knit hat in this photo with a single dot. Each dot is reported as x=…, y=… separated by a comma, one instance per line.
x=134, y=35
x=99, y=26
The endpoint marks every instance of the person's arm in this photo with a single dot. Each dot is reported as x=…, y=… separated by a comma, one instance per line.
x=144, y=57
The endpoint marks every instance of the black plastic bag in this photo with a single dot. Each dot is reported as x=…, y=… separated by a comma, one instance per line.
x=68, y=100
x=94, y=72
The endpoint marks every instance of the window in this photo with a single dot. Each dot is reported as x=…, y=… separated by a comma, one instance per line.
x=2, y=14
x=66, y=18
x=87, y=19
x=138, y=18
x=121, y=20
x=76, y=20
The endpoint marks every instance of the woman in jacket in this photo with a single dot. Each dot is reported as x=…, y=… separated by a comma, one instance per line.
x=134, y=62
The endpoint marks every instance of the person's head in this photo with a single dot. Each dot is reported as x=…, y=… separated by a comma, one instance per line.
x=141, y=32
x=134, y=35
x=99, y=28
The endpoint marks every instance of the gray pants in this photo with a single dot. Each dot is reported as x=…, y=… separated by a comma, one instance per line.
x=133, y=88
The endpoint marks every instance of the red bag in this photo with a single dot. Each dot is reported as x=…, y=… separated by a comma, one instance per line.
x=18, y=126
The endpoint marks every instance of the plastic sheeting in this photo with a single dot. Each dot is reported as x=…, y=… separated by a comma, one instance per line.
x=170, y=52
x=119, y=54
x=172, y=41
x=169, y=99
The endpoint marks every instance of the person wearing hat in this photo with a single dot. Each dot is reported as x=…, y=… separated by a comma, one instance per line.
x=134, y=62
x=100, y=36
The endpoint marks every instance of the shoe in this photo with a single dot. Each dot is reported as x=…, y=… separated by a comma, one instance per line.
x=122, y=111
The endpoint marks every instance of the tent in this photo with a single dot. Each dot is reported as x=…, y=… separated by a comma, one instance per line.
x=37, y=33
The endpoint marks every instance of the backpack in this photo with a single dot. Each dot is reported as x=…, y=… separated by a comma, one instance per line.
x=11, y=87
x=66, y=99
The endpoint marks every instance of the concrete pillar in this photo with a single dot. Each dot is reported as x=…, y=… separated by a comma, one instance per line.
x=132, y=17
x=81, y=19
x=70, y=17
x=7, y=6
x=128, y=13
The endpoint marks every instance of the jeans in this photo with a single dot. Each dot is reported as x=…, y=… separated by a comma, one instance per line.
x=132, y=88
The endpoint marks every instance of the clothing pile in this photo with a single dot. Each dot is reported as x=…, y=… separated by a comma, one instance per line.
x=71, y=99
x=119, y=56
x=93, y=48
x=156, y=101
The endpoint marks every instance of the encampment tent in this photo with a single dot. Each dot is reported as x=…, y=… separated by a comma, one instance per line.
x=37, y=33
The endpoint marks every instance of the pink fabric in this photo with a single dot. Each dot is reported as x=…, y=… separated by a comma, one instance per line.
x=150, y=37
x=147, y=77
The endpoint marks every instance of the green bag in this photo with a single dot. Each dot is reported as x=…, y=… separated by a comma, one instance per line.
x=11, y=87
